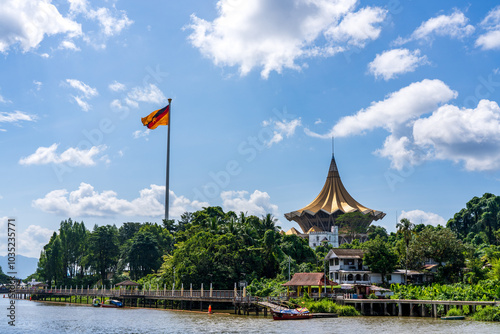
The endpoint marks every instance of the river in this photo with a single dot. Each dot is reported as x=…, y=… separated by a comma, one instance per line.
x=40, y=317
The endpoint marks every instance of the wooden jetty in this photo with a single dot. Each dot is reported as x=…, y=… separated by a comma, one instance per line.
x=412, y=308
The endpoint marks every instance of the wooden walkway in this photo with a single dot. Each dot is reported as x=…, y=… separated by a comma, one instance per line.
x=412, y=308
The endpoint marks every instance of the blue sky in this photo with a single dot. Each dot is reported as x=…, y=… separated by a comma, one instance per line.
x=409, y=89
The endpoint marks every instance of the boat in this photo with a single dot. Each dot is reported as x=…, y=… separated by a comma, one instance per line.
x=112, y=303
x=456, y=317
x=291, y=314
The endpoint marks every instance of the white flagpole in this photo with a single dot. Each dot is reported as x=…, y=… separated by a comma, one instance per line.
x=168, y=160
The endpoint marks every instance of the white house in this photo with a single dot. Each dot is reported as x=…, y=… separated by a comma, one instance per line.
x=346, y=267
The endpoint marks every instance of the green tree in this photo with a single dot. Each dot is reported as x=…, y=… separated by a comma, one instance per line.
x=103, y=250
x=442, y=245
x=380, y=257
x=374, y=231
x=354, y=223
x=405, y=227
x=143, y=255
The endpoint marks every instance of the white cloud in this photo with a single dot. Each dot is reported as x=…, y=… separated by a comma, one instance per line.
x=45, y=55
x=282, y=128
x=38, y=84
x=453, y=26
x=82, y=103
x=3, y=100
x=111, y=21
x=86, y=91
x=397, y=61
x=257, y=204
x=359, y=26
x=117, y=86
x=27, y=22
x=16, y=116
x=32, y=240
x=273, y=34
x=397, y=109
x=116, y=104
x=468, y=135
x=139, y=134
x=491, y=39
x=422, y=217
x=72, y=156
x=149, y=94
x=110, y=25
x=86, y=202
x=69, y=45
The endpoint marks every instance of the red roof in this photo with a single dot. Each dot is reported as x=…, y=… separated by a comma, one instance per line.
x=309, y=279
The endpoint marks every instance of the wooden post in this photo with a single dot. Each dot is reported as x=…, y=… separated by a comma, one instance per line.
x=400, y=310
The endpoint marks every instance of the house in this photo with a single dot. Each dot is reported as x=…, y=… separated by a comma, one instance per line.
x=345, y=266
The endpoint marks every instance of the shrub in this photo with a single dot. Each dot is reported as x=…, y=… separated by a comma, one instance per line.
x=488, y=313
x=454, y=312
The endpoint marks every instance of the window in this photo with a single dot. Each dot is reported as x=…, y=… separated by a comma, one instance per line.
x=336, y=276
x=349, y=262
x=349, y=277
x=388, y=277
x=336, y=261
x=358, y=277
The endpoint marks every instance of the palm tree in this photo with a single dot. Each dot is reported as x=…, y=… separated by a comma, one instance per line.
x=405, y=227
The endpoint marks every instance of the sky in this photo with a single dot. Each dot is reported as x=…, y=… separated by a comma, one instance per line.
x=408, y=89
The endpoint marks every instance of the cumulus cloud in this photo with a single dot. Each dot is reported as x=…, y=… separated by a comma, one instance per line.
x=258, y=204
x=491, y=39
x=468, y=135
x=397, y=61
x=396, y=109
x=358, y=27
x=281, y=128
x=273, y=34
x=32, y=240
x=453, y=26
x=72, y=156
x=422, y=217
x=27, y=22
x=87, y=202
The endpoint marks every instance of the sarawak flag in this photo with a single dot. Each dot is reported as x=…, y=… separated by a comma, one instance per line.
x=157, y=117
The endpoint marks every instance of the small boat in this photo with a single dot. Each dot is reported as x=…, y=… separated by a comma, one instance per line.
x=291, y=314
x=112, y=303
x=456, y=317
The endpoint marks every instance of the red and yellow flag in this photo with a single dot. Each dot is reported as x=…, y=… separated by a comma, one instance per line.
x=156, y=118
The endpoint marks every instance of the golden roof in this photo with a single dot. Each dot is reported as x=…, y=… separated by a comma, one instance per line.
x=332, y=200
x=292, y=231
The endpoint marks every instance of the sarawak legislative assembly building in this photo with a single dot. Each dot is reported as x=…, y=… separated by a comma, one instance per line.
x=317, y=220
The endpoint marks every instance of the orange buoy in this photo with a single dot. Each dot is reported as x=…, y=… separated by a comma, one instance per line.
x=209, y=309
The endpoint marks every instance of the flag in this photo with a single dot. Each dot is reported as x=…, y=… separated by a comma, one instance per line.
x=157, y=117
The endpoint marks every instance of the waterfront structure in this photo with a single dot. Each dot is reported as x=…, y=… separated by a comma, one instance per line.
x=332, y=201
x=313, y=282
x=346, y=266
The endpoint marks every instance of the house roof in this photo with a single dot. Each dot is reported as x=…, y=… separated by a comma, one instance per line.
x=308, y=279
x=292, y=231
x=345, y=253
x=333, y=199
x=128, y=283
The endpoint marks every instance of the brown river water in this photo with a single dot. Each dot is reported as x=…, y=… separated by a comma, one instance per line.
x=39, y=317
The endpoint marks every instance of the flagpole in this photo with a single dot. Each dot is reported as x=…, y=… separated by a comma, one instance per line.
x=168, y=161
